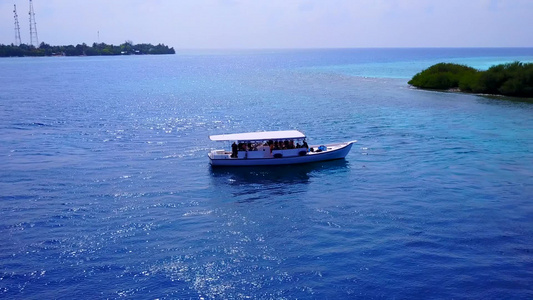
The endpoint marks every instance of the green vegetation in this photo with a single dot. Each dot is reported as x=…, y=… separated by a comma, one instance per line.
x=513, y=79
x=79, y=50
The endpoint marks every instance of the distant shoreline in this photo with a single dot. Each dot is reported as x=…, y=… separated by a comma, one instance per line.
x=493, y=96
x=100, y=49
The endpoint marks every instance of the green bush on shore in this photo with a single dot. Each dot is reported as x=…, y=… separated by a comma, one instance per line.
x=513, y=79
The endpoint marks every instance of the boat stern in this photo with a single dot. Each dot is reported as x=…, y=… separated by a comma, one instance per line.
x=219, y=154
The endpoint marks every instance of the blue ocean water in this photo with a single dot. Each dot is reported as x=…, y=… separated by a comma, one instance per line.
x=106, y=190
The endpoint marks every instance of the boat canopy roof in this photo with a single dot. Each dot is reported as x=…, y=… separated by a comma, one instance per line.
x=259, y=136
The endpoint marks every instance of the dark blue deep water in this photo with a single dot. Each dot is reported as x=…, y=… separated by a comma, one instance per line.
x=106, y=190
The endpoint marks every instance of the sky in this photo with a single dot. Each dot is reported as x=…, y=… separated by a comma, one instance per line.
x=266, y=24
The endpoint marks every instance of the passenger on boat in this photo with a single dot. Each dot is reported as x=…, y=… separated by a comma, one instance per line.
x=305, y=145
x=291, y=144
x=234, y=150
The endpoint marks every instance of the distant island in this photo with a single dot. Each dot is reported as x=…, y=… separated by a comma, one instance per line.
x=513, y=79
x=128, y=48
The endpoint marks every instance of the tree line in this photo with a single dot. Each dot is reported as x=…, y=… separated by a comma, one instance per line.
x=512, y=79
x=127, y=48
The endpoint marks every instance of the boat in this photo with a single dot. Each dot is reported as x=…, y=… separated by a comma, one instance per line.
x=267, y=148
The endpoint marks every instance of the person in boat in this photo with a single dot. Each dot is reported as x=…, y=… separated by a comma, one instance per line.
x=234, y=150
x=305, y=145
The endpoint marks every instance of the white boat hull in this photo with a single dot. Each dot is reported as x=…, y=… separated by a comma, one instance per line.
x=334, y=151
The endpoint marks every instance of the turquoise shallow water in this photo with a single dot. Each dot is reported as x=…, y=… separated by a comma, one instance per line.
x=106, y=191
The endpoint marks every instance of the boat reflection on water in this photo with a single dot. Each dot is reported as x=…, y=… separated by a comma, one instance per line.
x=254, y=183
